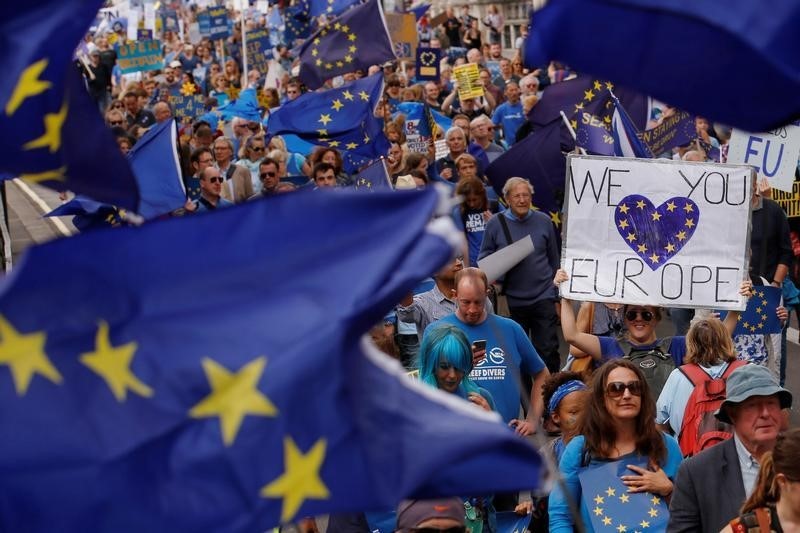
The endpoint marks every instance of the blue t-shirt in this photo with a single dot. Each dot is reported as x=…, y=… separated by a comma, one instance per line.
x=571, y=467
x=508, y=352
x=511, y=117
x=474, y=228
x=610, y=349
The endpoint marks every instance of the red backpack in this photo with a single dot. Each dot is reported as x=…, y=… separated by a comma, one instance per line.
x=700, y=429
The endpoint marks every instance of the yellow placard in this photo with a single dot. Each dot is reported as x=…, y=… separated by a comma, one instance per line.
x=789, y=201
x=467, y=78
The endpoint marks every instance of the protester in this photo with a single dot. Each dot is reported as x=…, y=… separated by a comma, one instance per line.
x=473, y=213
x=618, y=426
x=238, y=186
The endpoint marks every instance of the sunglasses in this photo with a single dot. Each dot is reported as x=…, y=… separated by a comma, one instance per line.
x=115, y=122
x=265, y=174
x=616, y=389
x=257, y=148
x=647, y=316
x=216, y=179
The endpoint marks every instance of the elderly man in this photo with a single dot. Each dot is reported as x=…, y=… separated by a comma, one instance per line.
x=211, y=190
x=162, y=112
x=508, y=353
x=457, y=145
x=529, y=285
x=238, y=183
x=710, y=487
x=480, y=131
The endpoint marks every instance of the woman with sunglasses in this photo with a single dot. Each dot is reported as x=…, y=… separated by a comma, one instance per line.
x=774, y=504
x=639, y=332
x=616, y=426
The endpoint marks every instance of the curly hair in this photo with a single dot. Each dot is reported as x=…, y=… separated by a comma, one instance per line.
x=554, y=381
x=599, y=428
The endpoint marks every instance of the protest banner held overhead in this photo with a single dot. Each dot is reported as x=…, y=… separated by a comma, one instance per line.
x=138, y=56
x=656, y=232
x=259, y=51
x=218, y=23
x=774, y=154
x=468, y=84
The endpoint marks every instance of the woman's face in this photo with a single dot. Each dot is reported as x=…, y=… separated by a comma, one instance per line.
x=641, y=323
x=329, y=157
x=625, y=405
x=473, y=200
x=395, y=154
x=423, y=166
x=448, y=377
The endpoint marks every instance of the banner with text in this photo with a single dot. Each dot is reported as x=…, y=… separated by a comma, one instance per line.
x=774, y=154
x=469, y=86
x=218, y=23
x=259, y=51
x=656, y=232
x=140, y=55
x=789, y=201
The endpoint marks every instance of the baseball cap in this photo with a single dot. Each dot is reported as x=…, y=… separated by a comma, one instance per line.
x=175, y=64
x=747, y=381
x=411, y=513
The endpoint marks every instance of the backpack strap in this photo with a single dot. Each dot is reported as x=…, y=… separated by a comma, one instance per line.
x=694, y=374
x=733, y=365
x=506, y=231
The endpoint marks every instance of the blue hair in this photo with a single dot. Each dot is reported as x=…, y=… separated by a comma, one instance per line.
x=446, y=343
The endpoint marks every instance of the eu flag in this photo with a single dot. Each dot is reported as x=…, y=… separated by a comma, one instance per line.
x=627, y=138
x=245, y=106
x=166, y=388
x=88, y=214
x=746, y=44
x=373, y=177
x=675, y=130
x=329, y=8
x=52, y=132
x=298, y=23
x=355, y=40
x=342, y=118
x=611, y=507
x=760, y=318
x=592, y=118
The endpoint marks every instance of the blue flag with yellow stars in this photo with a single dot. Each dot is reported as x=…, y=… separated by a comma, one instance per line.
x=88, y=214
x=592, y=116
x=342, y=118
x=611, y=507
x=760, y=317
x=52, y=132
x=297, y=23
x=245, y=106
x=357, y=39
x=166, y=388
x=373, y=177
x=330, y=8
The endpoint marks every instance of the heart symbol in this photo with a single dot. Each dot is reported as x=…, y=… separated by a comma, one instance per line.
x=427, y=58
x=656, y=234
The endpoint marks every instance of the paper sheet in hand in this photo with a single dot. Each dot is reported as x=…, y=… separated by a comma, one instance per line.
x=505, y=259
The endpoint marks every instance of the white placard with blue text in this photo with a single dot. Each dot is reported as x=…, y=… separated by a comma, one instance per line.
x=774, y=154
x=656, y=232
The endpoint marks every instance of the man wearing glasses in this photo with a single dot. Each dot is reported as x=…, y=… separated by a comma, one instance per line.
x=268, y=172
x=200, y=160
x=238, y=187
x=211, y=190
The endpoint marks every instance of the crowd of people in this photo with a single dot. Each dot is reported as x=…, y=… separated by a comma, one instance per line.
x=621, y=395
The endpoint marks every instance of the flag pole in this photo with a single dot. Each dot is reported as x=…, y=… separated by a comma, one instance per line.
x=244, y=45
x=572, y=133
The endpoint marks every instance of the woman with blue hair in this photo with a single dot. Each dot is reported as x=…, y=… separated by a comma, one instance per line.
x=445, y=361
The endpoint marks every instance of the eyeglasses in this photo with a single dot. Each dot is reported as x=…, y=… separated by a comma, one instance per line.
x=216, y=179
x=115, y=122
x=265, y=174
x=257, y=148
x=647, y=316
x=616, y=389
x=205, y=161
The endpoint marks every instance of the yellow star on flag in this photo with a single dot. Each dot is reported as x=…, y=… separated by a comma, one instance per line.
x=48, y=175
x=642, y=248
x=25, y=356
x=609, y=85
x=347, y=95
x=233, y=395
x=352, y=49
x=670, y=247
x=689, y=223
x=607, y=119
x=555, y=218
x=337, y=26
x=351, y=145
x=681, y=236
x=653, y=512
x=746, y=325
x=624, y=209
x=574, y=124
x=653, y=258
x=345, y=29
x=328, y=66
x=688, y=208
x=323, y=133
x=671, y=206
x=113, y=364
x=598, y=499
x=640, y=204
x=324, y=118
x=318, y=62
x=351, y=37
x=644, y=523
x=598, y=511
x=314, y=52
x=610, y=491
x=621, y=528
x=623, y=224
x=364, y=96
x=761, y=295
x=51, y=138
x=656, y=216
x=28, y=85
x=624, y=498
x=337, y=104
x=300, y=480
x=588, y=95
x=339, y=64
x=348, y=58
x=597, y=85
x=333, y=144
x=606, y=521
x=631, y=237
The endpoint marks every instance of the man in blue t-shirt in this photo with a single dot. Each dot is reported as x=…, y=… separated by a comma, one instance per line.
x=508, y=353
x=509, y=114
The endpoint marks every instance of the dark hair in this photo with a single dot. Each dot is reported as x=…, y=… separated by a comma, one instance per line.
x=554, y=381
x=472, y=186
x=268, y=161
x=321, y=167
x=598, y=427
x=195, y=157
x=320, y=151
x=781, y=460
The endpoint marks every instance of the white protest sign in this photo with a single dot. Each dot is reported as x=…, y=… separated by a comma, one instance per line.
x=133, y=24
x=506, y=258
x=150, y=17
x=656, y=232
x=774, y=154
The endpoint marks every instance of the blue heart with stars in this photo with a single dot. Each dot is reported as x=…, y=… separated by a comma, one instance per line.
x=656, y=234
